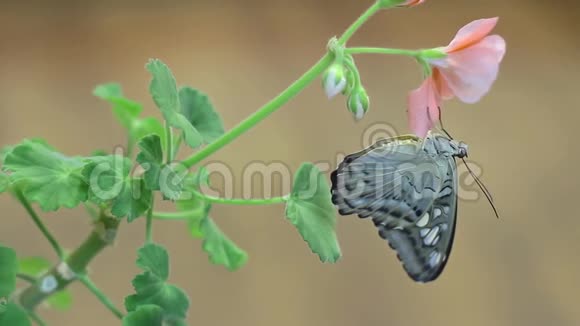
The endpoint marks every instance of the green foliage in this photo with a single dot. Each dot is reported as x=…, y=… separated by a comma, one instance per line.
x=151, y=159
x=3, y=152
x=110, y=182
x=151, y=287
x=200, y=112
x=4, y=182
x=168, y=178
x=311, y=211
x=10, y=313
x=8, y=270
x=188, y=110
x=145, y=315
x=127, y=113
x=196, y=207
x=35, y=267
x=46, y=176
x=13, y=315
x=220, y=249
x=125, y=110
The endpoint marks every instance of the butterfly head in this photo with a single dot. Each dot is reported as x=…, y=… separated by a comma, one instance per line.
x=459, y=147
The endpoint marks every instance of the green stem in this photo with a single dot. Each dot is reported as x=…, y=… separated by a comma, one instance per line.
x=100, y=295
x=51, y=239
x=240, y=201
x=169, y=139
x=27, y=278
x=149, y=223
x=361, y=50
x=102, y=236
x=216, y=200
x=262, y=113
x=37, y=319
x=359, y=22
x=174, y=215
x=284, y=97
x=176, y=145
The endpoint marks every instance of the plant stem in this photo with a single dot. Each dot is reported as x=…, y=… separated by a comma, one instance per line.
x=27, y=278
x=240, y=201
x=226, y=201
x=169, y=139
x=358, y=23
x=262, y=113
x=177, y=144
x=37, y=319
x=149, y=223
x=77, y=262
x=51, y=239
x=100, y=295
x=361, y=50
x=174, y=215
x=288, y=94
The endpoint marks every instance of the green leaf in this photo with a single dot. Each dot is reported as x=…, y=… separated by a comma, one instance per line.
x=46, y=176
x=220, y=249
x=168, y=178
x=163, y=89
x=151, y=159
x=14, y=315
x=148, y=126
x=127, y=113
x=3, y=152
x=197, y=208
x=199, y=111
x=125, y=110
x=110, y=181
x=311, y=211
x=4, y=182
x=154, y=258
x=8, y=270
x=151, y=287
x=134, y=200
x=61, y=300
x=145, y=315
x=35, y=267
x=150, y=315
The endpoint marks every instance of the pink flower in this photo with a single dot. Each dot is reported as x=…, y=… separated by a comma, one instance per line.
x=467, y=72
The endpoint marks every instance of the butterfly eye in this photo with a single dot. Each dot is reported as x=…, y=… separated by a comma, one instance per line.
x=462, y=150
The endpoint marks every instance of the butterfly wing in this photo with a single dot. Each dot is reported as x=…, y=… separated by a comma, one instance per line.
x=410, y=197
x=424, y=248
x=392, y=181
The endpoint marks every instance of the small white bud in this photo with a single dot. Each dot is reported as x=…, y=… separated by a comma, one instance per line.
x=358, y=103
x=334, y=80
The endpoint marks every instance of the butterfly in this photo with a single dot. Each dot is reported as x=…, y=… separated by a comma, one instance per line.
x=408, y=187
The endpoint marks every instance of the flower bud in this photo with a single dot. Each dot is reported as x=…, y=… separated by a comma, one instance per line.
x=334, y=80
x=358, y=102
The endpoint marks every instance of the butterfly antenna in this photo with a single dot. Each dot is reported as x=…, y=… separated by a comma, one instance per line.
x=441, y=123
x=483, y=188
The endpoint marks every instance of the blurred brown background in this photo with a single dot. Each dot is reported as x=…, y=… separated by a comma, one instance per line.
x=520, y=270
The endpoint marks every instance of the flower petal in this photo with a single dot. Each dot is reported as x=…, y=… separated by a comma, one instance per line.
x=471, y=33
x=423, y=108
x=469, y=73
x=444, y=91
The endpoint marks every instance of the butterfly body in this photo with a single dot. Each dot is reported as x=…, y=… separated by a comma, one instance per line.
x=408, y=187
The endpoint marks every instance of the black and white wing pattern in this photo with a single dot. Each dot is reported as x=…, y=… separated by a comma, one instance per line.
x=409, y=193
